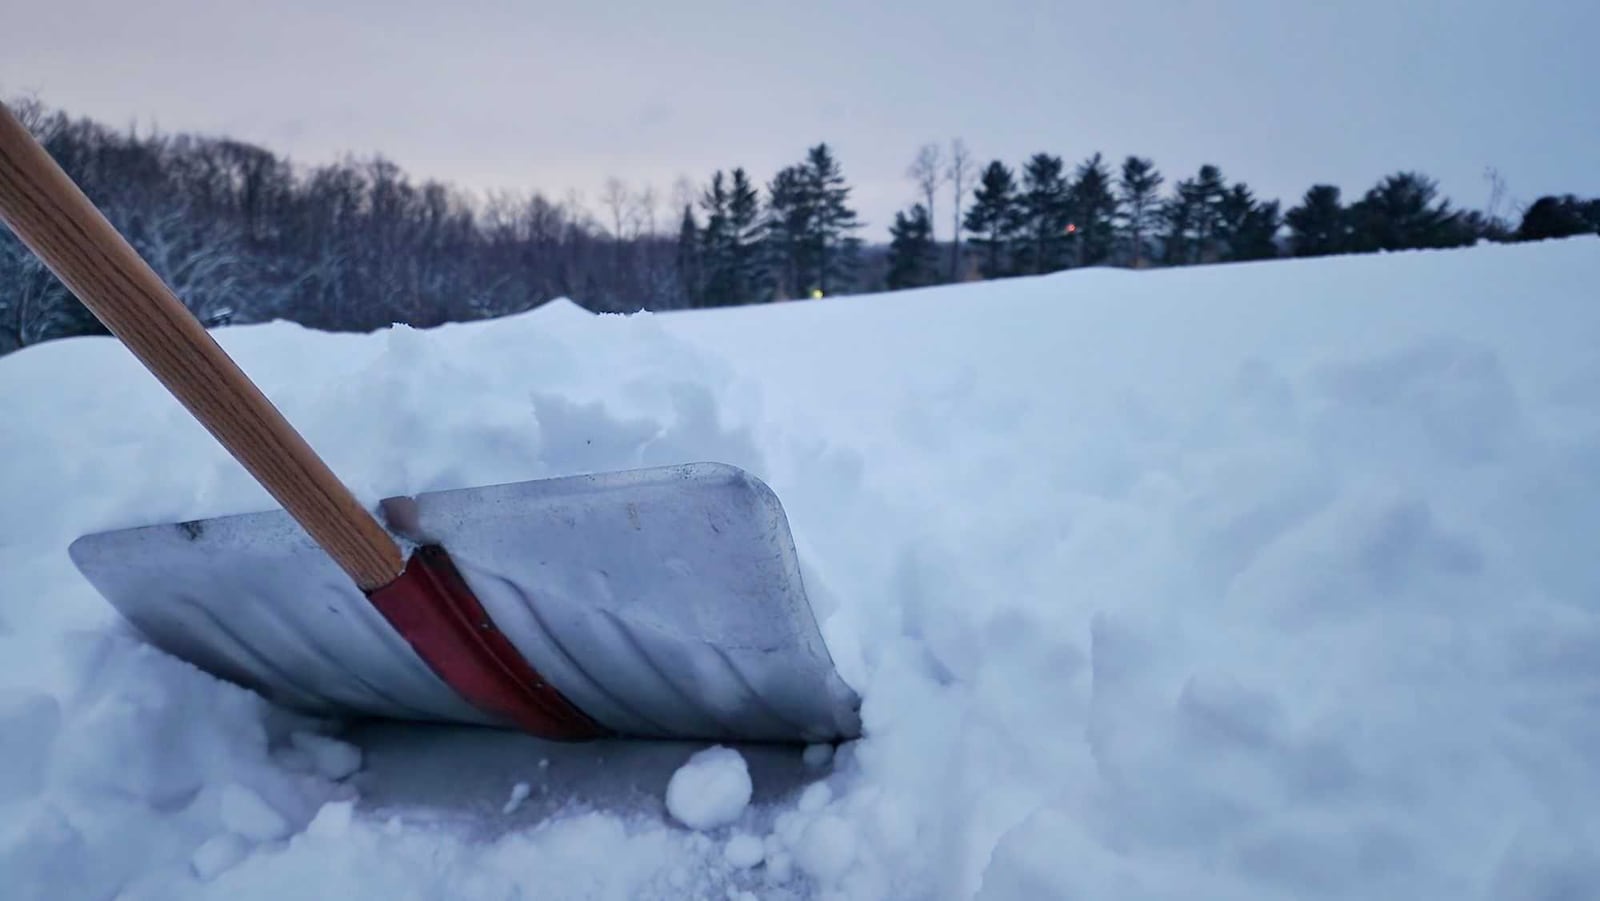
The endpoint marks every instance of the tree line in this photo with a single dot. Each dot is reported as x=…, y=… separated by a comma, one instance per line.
x=1045, y=216
x=243, y=235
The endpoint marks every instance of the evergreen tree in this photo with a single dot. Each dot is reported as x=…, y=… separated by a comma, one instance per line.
x=912, y=254
x=994, y=219
x=833, y=249
x=1193, y=218
x=1403, y=211
x=1209, y=191
x=1558, y=217
x=784, y=231
x=744, y=239
x=1139, y=214
x=1094, y=210
x=689, y=278
x=717, y=252
x=1180, y=217
x=1044, y=209
x=1318, y=226
x=1249, y=228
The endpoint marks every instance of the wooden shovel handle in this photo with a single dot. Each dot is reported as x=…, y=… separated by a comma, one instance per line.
x=54, y=218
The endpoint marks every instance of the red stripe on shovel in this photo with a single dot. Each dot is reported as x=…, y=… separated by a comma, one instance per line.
x=431, y=605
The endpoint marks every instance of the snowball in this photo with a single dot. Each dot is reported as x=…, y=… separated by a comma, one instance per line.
x=817, y=756
x=216, y=855
x=744, y=851
x=519, y=793
x=245, y=813
x=780, y=866
x=815, y=797
x=331, y=758
x=827, y=848
x=711, y=790
x=788, y=826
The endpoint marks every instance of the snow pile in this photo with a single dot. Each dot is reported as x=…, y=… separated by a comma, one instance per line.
x=1252, y=581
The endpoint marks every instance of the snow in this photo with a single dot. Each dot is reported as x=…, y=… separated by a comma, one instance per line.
x=817, y=756
x=519, y=793
x=333, y=819
x=245, y=813
x=815, y=797
x=710, y=790
x=1249, y=582
x=744, y=851
x=217, y=853
x=24, y=719
x=826, y=848
x=329, y=758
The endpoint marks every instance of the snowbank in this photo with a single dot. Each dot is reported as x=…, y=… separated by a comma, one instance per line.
x=1255, y=581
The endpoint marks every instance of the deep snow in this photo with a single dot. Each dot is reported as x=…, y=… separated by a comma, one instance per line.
x=1255, y=581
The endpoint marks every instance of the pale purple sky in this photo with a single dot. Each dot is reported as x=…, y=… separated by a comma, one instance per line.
x=551, y=96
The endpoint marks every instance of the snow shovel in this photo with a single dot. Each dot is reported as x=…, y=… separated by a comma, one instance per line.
x=662, y=602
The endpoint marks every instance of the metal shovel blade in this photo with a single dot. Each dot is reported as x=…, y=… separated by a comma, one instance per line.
x=661, y=602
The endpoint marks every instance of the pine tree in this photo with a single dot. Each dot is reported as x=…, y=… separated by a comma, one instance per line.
x=1209, y=191
x=1558, y=217
x=1318, y=226
x=1094, y=210
x=994, y=219
x=784, y=231
x=912, y=254
x=833, y=248
x=744, y=239
x=1249, y=227
x=1044, y=208
x=1193, y=218
x=1180, y=217
x=689, y=275
x=717, y=246
x=1403, y=212
x=1139, y=216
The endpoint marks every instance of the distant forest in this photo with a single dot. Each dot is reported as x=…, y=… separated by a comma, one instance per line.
x=244, y=236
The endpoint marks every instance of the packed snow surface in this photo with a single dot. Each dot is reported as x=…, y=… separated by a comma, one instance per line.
x=1238, y=582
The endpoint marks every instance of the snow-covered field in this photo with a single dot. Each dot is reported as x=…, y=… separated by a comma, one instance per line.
x=1258, y=581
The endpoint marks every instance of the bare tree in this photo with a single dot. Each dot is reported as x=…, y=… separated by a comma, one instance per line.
x=33, y=305
x=642, y=209
x=928, y=173
x=684, y=194
x=615, y=199
x=958, y=173
x=200, y=261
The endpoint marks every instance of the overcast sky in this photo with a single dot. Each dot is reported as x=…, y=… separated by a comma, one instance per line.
x=553, y=96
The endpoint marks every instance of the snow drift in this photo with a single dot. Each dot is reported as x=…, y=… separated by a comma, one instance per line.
x=1253, y=581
